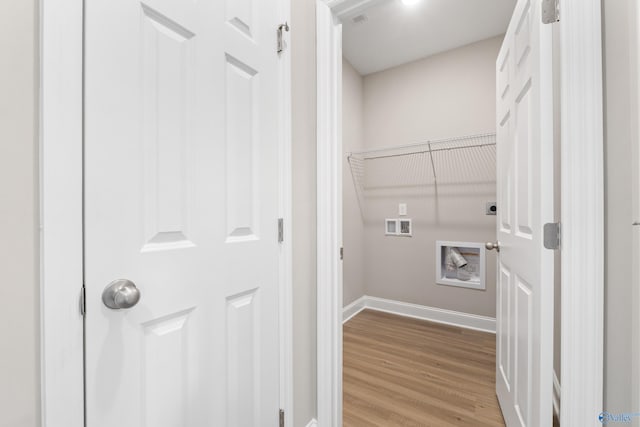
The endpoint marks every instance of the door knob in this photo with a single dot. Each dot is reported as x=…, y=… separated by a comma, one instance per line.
x=120, y=294
x=491, y=246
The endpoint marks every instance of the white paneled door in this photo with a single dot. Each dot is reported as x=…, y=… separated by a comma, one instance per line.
x=524, y=311
x=181, y=199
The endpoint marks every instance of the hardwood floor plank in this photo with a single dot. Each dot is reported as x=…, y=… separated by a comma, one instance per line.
x=400, y=371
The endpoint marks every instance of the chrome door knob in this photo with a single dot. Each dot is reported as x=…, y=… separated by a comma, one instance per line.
x=491, y=246
x=120, y=294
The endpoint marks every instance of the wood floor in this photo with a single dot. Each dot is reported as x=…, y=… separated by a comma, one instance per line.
x=406, y=372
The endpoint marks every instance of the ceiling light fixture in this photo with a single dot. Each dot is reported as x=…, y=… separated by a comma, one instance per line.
x=410, y=2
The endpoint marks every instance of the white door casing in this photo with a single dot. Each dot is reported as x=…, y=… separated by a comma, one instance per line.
x=181, y=197
x=524, y=354
x=582, y=190
x=329, y=216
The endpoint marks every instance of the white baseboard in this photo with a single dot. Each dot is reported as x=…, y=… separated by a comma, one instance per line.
x=312, y=423
x=354, y=308
x=556, y=395
x=432, y=314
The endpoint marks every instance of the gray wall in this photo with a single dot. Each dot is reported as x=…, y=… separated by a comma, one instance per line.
x=19, y=261
x=446, y=95
x=303, y=51
x=353, y=226
x=618, y=207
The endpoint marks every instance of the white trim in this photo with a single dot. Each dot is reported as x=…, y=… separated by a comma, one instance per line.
x=312, y=423
x=557, y=393
x=285, y=179
x=329, y=217
x=61, y=270
x=582, y=171
x=422, y=312
x=354, y=308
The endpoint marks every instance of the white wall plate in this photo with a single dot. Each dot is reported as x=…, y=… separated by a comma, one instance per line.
x=472, y=276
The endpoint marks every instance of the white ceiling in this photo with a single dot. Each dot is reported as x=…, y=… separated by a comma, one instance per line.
x=394, y=34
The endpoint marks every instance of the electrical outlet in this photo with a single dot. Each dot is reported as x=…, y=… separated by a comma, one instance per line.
x=492, y=208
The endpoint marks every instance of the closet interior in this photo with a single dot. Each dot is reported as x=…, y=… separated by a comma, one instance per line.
x=419, y=205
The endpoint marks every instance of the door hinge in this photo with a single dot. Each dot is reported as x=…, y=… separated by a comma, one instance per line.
x=83, y=300
x=281, y=29
x=552, y=235
x=280, y=230
x=550, y=11
x=281, y=417
x=341, y=253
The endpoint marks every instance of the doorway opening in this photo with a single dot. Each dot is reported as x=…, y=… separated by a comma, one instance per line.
x=584, y=102
x=582, y=263
x=419, y=193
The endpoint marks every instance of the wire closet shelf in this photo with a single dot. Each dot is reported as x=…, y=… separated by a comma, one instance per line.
x=466, y=160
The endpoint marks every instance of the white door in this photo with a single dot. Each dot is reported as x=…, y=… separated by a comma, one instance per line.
x=181, y=198
x=524, y=354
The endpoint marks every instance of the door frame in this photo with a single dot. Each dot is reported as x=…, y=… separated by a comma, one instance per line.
x=329, y=215
x=634, y=56
x=582, y=208
x=61, y=215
